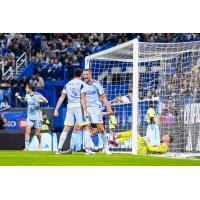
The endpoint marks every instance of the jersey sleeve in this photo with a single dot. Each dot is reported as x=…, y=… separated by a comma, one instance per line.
x=100, y=89
x=64, y=91
x=39, y=94
x=83, y=88
x=26, y=97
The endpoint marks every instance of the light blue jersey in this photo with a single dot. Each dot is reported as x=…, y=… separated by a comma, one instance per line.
x=93, y=92
x=34, y=112
x=73, y=91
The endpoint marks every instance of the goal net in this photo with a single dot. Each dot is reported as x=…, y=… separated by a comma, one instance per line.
x=135, y=73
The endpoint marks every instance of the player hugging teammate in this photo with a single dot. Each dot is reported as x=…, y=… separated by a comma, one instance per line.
x=83, y=108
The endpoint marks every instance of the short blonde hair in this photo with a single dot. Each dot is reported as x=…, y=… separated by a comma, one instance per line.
x=88, y=70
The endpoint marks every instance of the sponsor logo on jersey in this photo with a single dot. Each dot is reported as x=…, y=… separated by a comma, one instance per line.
x=90, y=92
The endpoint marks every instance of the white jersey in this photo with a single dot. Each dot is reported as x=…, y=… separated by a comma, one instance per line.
x=73, y=91
x=34, y=111
x=93, y=92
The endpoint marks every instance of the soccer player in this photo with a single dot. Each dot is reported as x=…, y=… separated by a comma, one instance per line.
x=34, y=114
x=144, y=145
x=152, y=131
x=76, y=112
x=94, y=92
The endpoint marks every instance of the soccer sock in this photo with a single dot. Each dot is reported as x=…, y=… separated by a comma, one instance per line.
x=73, y=139
x=62, y=139
x=104, y=140
x=114, y=135
x=92, y=146
x=100, y=142
x=26, y=144
x=27, y=139
x=125, y=134
x=39, y=140
x=121, y=139
x=88, y=143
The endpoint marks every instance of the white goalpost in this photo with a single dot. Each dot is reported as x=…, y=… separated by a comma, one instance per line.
x=135, y=73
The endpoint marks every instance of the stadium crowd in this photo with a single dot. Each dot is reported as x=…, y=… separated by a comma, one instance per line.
x=53, y=54
x=176, y=90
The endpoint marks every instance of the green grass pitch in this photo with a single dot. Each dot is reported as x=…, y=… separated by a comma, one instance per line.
x=20, y=158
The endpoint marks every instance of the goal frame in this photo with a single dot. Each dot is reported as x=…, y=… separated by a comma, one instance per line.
x=135, y=84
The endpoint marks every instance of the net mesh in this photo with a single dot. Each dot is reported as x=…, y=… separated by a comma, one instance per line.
x=169, y=74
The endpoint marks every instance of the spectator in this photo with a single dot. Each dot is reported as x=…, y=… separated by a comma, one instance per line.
x=40, y=81
x=34, y=80
x=4, y=82
x=157, y=91
x=56, y=70
x=149, y=95
x=14, y=82
x=121, y=99
x=170, y=105
x=24, y=81
x=130, y=93
x=113, y=124
x=37, y=81
x=45, y=123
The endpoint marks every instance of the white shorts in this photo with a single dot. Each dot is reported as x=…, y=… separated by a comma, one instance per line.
x=34, y=123
x=75, y=116
x=95, y=115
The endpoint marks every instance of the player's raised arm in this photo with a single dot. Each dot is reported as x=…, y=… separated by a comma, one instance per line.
x=59, y=103
x=43, y=99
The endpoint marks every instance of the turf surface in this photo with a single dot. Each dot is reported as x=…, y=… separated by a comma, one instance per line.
x=20, y=158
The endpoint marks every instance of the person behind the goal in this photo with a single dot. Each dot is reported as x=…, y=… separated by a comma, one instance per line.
x=152, y=131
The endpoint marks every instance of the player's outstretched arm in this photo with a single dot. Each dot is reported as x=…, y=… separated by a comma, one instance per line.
x=44, y=100
x=17, y=95
x=106, y=103
x=59, y=103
